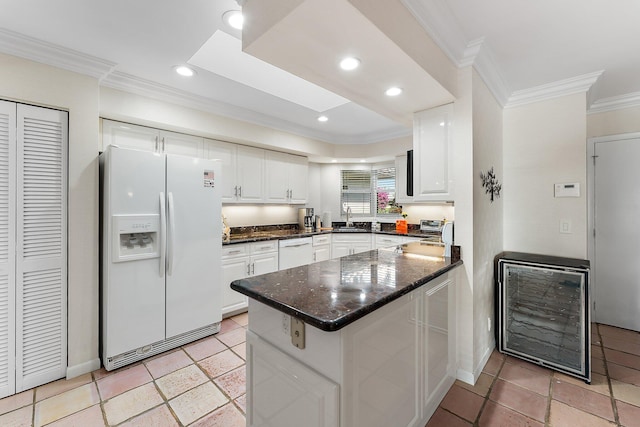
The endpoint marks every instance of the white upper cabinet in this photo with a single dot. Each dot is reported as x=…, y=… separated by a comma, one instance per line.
x=250, y=174
x=401, y=180
x=150, y=139
x=432, y=149
x=242, y=171
x=227, y=154
x=286, y=179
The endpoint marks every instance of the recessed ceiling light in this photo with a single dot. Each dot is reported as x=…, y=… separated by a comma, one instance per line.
x=393, y=91
x=234, y=18
x=334, y=161
x=442, y=124
x=349, y=63
x=184, y=71
x=363, y=161
x=323, y=118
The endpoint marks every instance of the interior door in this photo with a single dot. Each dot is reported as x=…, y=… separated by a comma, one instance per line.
x=7, y=247
x=194, y=244
x=41, y=246
x=617, y=237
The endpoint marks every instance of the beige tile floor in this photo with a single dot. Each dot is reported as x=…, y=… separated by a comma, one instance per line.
x=203, y=384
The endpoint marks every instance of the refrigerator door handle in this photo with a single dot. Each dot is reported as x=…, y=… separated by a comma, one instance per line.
x=163, y=227
x=171, y=235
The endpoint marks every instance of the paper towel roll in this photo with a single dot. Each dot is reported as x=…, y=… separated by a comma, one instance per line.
x=326, y=219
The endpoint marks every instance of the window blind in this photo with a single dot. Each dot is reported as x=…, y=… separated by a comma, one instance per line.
x=356, y=192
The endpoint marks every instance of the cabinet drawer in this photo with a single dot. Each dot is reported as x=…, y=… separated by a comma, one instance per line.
x=229, y=251
x=263, y=247
x=352, y=237
x=322, y=240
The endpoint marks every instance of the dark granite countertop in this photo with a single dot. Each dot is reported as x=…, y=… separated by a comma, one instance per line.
x=257, y=236
x=332, y=294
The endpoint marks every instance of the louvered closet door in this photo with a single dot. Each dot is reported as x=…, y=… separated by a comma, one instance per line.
x=41, y=267
x=7, y=246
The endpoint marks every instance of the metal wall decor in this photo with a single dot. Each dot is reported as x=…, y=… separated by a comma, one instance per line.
x=490, y=183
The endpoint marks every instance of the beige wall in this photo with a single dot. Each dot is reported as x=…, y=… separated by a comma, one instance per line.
x=613, y=122
x=545, y=143
x=463, y=181
x=487, y=216
x=29, y=82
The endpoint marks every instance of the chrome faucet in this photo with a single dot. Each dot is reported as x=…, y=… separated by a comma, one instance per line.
x=349, y=213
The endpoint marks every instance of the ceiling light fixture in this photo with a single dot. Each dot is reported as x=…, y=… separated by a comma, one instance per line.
x=393, y=91
x=349, y=63
x=184, y=71
x=323, y=118
x=234, y=18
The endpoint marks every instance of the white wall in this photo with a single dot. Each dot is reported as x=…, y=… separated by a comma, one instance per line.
x=463, y=175
x=34, y=83
x=615, y=122
x=545, y=143
x=487, y=216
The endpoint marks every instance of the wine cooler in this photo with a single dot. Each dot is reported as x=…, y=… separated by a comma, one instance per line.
x=542, y=311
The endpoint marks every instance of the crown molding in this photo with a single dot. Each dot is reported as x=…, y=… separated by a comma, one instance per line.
x=132, y=84
x=440, y=24
x=50, y=54
x=613, y=103
x=578, y=84
x=478, y=54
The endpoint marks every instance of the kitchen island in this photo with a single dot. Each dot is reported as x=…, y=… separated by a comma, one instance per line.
x=362, y=340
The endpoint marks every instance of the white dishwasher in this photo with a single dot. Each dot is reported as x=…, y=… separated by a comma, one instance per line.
x=295, y=252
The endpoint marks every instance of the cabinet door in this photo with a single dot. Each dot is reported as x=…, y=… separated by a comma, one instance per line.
x=286, y=392
x=321, y=253
x=340, y=249
x=129, y=136
x=250, y=174
x=438, y=339
x=277, y=168
x=383, y=381
x=432, y=154
x=233, y=269
x=226, y=153
x=298, y=179
x=357, y=248
x=264, y=263
x=179, y=143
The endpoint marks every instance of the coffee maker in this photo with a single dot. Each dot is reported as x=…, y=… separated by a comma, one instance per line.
x=305, y=219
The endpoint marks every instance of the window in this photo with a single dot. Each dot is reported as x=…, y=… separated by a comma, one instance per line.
x=356, y=192
x=385, y=185
x=369, y=192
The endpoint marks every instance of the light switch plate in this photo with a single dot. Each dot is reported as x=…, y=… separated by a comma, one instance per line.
x=565, y=226
x=297, y=333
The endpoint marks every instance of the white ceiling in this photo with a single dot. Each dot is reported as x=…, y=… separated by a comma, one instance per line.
x=519, y=47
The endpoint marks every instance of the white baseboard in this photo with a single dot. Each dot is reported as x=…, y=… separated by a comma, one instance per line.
x=83, y=368
x=465, y=376
x=471, y=377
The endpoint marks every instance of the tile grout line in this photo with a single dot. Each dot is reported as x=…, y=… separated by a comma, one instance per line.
x=486, y=398
x=606, y=372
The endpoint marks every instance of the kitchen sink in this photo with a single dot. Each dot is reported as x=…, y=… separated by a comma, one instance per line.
x=350, y=230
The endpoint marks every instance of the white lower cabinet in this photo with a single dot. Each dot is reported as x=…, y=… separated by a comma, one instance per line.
x=286, y=393
x=392, y=368
x=244, y=260
x=321, y=247
x=343, y=244
x=385, y=240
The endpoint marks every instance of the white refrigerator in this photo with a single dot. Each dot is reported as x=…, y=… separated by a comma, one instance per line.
x=161, y=253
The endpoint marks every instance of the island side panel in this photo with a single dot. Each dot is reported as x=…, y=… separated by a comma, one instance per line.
x=322, y=352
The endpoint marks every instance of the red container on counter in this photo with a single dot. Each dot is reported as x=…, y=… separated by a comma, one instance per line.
x=401, y=226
